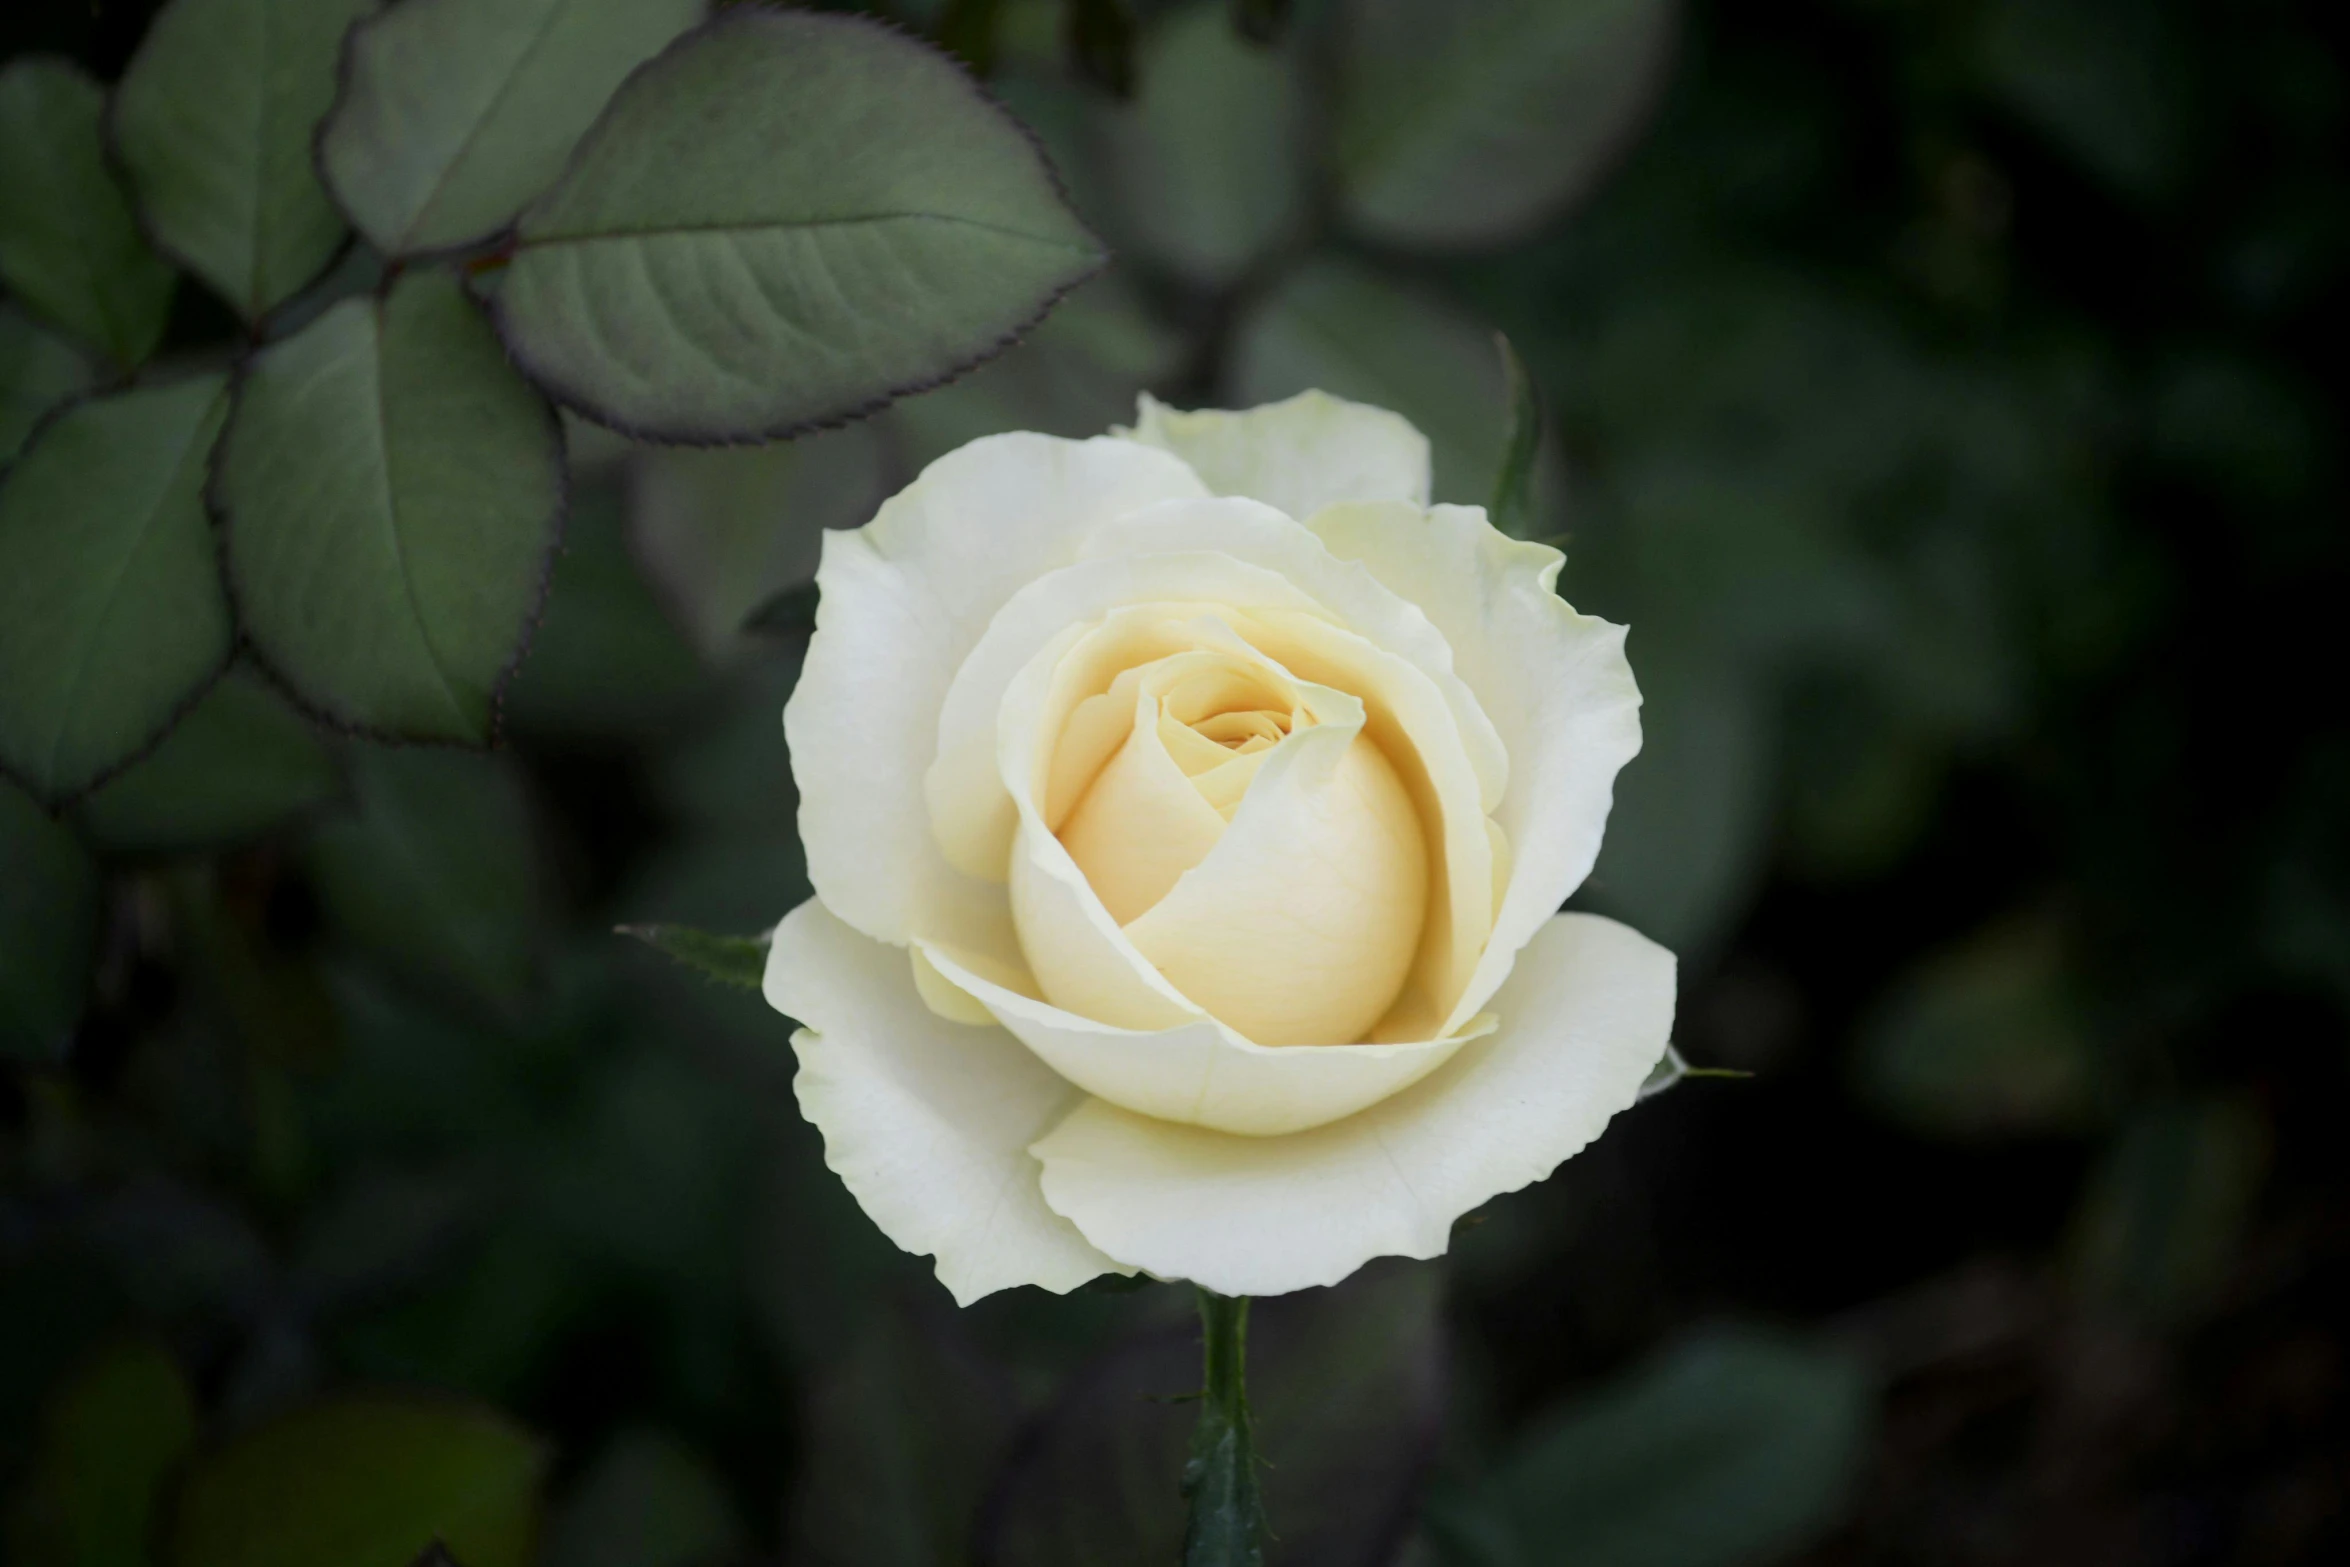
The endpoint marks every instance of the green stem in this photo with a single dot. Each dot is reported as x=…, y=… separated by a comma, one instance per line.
x=1227, y=1526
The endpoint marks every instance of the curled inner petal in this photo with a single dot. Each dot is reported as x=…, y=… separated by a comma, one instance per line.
x=1247, y=829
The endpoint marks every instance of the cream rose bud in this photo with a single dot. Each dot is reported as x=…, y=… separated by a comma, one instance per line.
x=1189, y=811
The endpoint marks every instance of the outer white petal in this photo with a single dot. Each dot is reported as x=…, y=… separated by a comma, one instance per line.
x=1204, y=1074
x=1584, y=1017
x=1555, y=684
x=926, y=1122
x=903, y=601
x=1300, y=455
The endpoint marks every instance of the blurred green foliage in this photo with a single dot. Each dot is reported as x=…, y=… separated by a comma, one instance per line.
x=1941, y=391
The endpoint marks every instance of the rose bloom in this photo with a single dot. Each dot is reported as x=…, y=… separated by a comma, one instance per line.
x=1189, y=811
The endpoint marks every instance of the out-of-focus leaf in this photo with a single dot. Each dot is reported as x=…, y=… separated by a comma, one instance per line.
x=213, y=122
x=1685, y=840
x=647, y=1501
x=390, y=492
x=915, y=1422
x=786, y=220
x=1463, y=122
x=383, y=1229
x=239, y=763
x=1733, y=1447
x=1512, y=507
x=649, y=1174
x=730, y=777
x=363, y=1481
x=48, y=929
x=731, y=960
x=2238, y=427
x=737, y=881
x=112, y=1432
x=2104, y=79
x=720, y=531
x=1208, y=160
x=1076, y=375
x=966, y=29
x=69, y=247
x=1987, y=1040
x=1347, y=1389
x=1353, y=333
x=1100, y=35
x=2162, y=1214
x=54, y=1293
x=38, y=371
x=1260, y=21
x=1861, y=784
x=453, y=114
x=790, y=613
x=605, y=659
x=436, y=872
x=112, y=616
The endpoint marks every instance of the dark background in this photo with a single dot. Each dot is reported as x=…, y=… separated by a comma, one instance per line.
x=1948, y=394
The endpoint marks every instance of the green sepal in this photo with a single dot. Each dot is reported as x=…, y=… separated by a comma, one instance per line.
x=1512, y=508
x=731, y=960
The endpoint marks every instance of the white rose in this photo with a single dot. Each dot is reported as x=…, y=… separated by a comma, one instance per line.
x=1189, y=811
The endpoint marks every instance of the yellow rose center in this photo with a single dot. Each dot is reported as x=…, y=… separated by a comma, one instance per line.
x=1243, y=826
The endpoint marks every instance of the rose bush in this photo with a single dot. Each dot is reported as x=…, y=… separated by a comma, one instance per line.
x=1189, y=810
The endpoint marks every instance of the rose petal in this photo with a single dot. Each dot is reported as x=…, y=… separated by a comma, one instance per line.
x=1555, y=684
x=1141, y=824
x=1310, y=451
x=1584, y=1016
x=1300, y=925
x=1204, y=1074
x=903, y=600
x=1352, y=596
x=926, y=1122
x=970, y=808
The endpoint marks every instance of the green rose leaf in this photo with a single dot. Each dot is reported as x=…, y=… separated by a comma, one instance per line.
x=48, y=929
x=213, y=123
x=648, y=1501
x=454, y=114
x=112, y=617
x=38, y=371
x=363, y=1481
x=241, y=762
x=785, y=220
x=390, y=491
x=1459, y=125
x=68, y=244
x=1733, y=1447
x=111, y=1433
